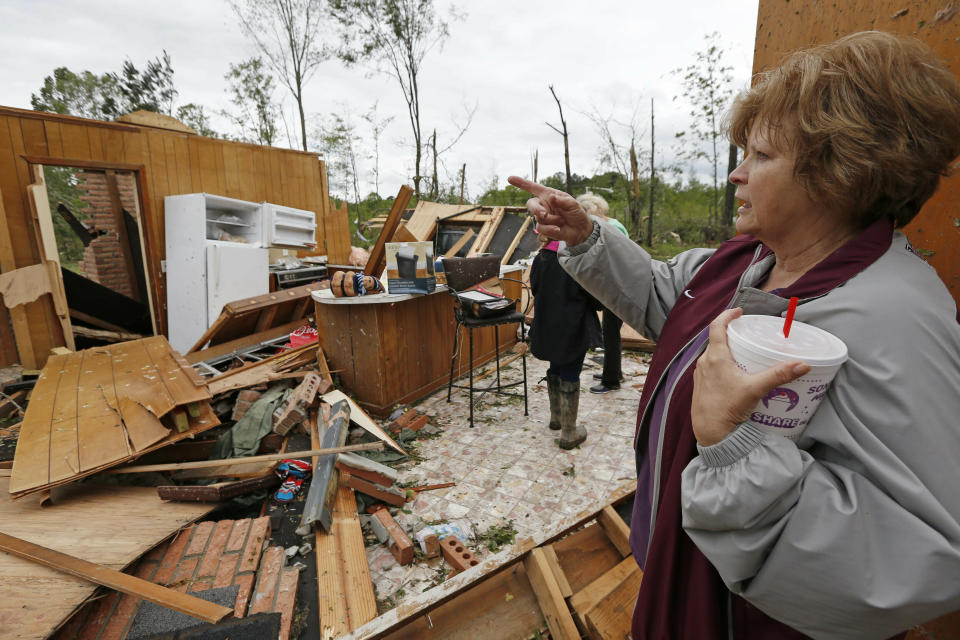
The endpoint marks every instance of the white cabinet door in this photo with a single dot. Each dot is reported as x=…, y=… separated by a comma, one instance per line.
x=234, y=272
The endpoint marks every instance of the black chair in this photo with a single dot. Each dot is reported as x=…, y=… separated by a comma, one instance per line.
x=471, y=322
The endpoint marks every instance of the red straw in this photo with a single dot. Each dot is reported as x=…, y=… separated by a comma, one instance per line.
x=792, y=309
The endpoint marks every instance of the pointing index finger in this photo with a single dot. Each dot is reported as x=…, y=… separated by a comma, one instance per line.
x=529, y=186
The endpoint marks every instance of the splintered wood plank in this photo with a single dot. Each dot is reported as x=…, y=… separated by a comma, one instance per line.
x=601, y=588
x=32, y=459
x=617, y=530
x=610, y=618
x=122, y=582
x=178, y=383
x=109, y=525
x=99, y=407
x=547, y=591
x=346, y=598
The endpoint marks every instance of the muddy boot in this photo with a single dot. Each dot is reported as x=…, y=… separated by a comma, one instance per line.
x=571, y=434
x=553, y=389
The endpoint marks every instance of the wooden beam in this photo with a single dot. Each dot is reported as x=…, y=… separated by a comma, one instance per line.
x=85, y=235
x=588, y=597
x=516, y=240
x=122, y=582
x=121, y=229
x=611, y=617
x=549, y=597
x=224, y=348
x=551, y=556
x=462, y=240
x=487, y=232
x=617, y=530
x=226, y=462
x=378, y=255
x=97, y=322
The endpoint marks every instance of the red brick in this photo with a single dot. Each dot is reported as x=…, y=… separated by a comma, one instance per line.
x=418, y=423
x=99, y=617
x=287, y=599
x=198, y=542
x=245, y=582
x=373, y=490
x=201, y=585
x=171, y=558
x=399, y=543
x=73, y=625
x=239, y=535
x=228, y=564
x=185, y=571
x=267, y=577
x=218, y=541
x=259, y=531
x=457, y=554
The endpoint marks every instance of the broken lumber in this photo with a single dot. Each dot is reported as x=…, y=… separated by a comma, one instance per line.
x=389, y=495
x=367, y=469
x=378, y=254
x=583, y=601
x=323, y=488
x=266, y=370
x=99, y=574
x=217, y=492
x=226, y=462
x=550, y=597
x=617, y=530
x=359, y=417
x=611, y=617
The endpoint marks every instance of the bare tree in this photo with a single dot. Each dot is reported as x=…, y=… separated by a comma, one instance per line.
x=377, y=127
x=566, y=142
x=396, y=35
x=287, y=33
x=620, y=157
x=653, y=180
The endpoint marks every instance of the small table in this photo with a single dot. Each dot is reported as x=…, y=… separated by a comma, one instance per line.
x=391, y=349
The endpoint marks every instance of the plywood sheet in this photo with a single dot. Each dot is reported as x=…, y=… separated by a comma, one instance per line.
x=109, y=525
x=423, y=222
x=96, y=408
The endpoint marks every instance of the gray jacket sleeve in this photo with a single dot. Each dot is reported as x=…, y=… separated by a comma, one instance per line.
x=625, y=279
x=855, y=533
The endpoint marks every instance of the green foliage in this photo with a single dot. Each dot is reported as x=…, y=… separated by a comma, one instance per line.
x=251, y=91
x=708, y=87
x=340, y=145
x=83, y=94
x=104, y=97
x=193, y=115
x=496, y=536
x=62, y=188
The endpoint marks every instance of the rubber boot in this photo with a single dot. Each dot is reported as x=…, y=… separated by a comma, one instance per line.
x=553, y=389
x=571, y=434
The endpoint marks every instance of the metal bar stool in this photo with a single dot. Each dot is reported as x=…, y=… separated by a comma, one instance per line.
x=471, y=323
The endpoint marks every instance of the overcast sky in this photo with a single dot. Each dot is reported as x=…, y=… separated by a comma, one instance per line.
x=606, y=56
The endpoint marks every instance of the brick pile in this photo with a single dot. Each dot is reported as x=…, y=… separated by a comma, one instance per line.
x=204, y=556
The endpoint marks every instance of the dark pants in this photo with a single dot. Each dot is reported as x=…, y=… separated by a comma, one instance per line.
x=611, y=349
x=570, y=371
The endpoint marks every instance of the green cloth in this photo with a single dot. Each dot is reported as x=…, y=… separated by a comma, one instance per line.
x=616, y=224
x=243, y=438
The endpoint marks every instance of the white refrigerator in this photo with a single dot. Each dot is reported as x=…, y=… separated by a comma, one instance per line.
x=215, y=255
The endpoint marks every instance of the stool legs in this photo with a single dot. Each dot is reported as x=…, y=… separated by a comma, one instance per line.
x=470, y=329
x=524, y=359
x=496, y=351
x=453, y=359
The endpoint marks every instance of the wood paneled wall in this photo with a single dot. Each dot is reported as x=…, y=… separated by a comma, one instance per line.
x=167, y=163
x=784, y=26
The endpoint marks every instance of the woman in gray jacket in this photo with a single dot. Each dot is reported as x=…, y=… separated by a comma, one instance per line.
x=854, y=531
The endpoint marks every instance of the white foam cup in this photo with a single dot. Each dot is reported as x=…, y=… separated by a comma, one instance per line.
x=757, y=343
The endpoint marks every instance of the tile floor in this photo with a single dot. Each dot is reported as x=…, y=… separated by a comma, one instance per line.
x=509, y=467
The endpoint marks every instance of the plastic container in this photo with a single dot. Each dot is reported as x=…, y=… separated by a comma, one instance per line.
x=757, y=343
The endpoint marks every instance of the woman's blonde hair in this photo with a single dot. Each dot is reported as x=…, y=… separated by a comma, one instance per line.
x=874, y=119
x=594, y=204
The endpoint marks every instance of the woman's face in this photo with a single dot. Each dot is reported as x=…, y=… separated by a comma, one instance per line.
x=775, y=206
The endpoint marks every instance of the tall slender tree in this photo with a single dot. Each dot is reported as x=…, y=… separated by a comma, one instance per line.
x=251, y=92
x=395, y=35
x=707, y=87
x=566, y=139
x=377, y=127
x=288, y=34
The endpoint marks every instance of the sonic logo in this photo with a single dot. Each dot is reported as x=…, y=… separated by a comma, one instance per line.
x=782, y=395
